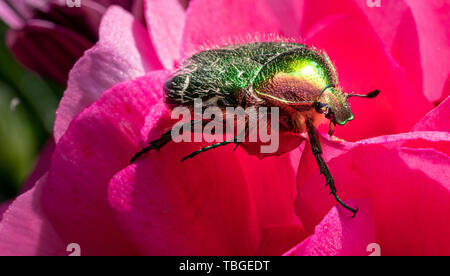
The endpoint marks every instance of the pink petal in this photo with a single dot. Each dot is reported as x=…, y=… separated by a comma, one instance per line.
x=138, y=11
x=126, y=4
x=222, y=22
x=3, y=207
x=315, y=11
x=99, y=142
x=434, y=37
x=271, y=182
x=55, y=36
x=289, y=14
x=287, y=143
x=84, y=20
x=204, y=207
x=195, y=209
x=333, y=148
x=123, y=52
x=277, y=239
x=409, y=189
x=16, y=12
x=386, y=20
x=24, y=230
x=406, y=49
x=165, y=20
x=363, y=65
x=339, y=235
x=437, y=119
x=219, y=203
x=35, y=43
x=9, y=16
x=42, y=166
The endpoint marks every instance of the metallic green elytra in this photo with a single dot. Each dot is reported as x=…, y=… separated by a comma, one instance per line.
x=290, y=75
x=300, y=80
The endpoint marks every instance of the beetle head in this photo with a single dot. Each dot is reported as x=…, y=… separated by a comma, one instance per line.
x=333, y=103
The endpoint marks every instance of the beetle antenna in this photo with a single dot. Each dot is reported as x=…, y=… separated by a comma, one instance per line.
x=369, y=95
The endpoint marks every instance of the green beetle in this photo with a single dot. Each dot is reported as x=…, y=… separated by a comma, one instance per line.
x=298, y=79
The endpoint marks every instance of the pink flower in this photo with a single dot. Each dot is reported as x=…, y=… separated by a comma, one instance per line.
x=401, y=181
x=48, y=37
x=232, y=203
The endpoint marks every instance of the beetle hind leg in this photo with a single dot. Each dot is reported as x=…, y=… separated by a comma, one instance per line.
x=236, y=140
x=317, y=151
x=162, y=141
x=213, y=146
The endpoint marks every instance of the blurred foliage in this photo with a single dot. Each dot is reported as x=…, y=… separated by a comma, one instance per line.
x=27, y=112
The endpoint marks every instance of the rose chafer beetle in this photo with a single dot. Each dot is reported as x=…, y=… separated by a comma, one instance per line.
x=298, y=79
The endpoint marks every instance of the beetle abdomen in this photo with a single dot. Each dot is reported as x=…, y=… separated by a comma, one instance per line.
x=221, y=79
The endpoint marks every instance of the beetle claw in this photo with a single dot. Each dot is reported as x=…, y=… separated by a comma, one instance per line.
x=356, y=211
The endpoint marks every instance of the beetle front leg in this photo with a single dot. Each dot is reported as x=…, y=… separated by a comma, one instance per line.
x=331, y=128
x=323, y=167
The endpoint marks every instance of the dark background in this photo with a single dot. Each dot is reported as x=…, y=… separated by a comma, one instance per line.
x=24, y=130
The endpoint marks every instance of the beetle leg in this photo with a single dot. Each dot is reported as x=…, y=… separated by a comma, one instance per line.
x=317, y=151
x=213, y=146
x=246, y=133
x=298, y=121
x=162, y=141
x=331, y=128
